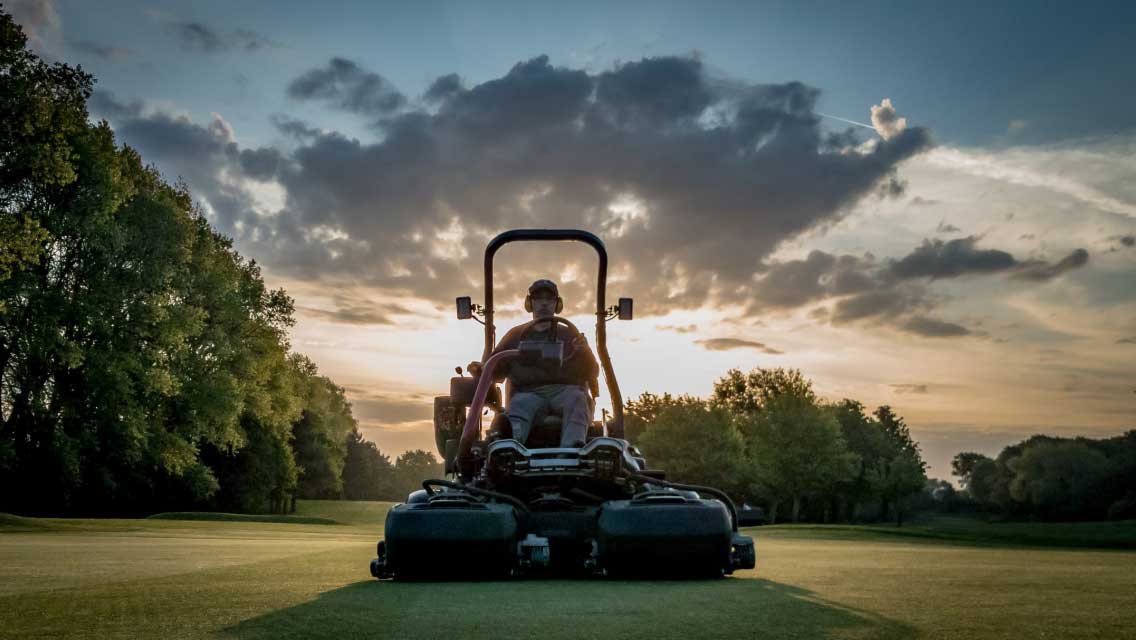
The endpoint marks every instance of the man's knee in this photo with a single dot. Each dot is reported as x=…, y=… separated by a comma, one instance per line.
x=524, y=406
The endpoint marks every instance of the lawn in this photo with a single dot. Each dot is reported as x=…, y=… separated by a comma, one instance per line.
x=303, y=577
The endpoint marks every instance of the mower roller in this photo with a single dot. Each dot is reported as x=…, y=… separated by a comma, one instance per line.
x=509, y=509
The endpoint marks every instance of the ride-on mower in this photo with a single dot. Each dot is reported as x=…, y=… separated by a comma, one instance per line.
x=510, y=509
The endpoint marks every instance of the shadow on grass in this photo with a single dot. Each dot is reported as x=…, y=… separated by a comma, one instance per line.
x=732, y=607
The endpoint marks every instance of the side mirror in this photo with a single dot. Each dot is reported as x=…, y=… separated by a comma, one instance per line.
x=465, y=308
x=626, y=306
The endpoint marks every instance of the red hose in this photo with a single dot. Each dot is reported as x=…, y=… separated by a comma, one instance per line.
x=473, y=420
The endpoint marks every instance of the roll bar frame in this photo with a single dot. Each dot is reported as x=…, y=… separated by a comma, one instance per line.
x=560, y=235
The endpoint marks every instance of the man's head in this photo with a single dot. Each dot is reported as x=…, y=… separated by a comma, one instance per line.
x=544, y=299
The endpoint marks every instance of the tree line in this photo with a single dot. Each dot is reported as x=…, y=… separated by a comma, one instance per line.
x=1052, y=478
x=767, y=439
x=144, y=364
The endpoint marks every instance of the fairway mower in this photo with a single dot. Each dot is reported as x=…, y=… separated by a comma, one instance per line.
x=512, y=509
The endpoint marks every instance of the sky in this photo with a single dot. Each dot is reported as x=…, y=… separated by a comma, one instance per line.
x=931, y=207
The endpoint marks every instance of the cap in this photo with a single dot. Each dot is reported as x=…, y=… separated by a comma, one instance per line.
x=540, y=285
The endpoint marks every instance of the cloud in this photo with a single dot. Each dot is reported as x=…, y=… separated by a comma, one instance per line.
x=953, y=258
x=1125, y=240
x=939, y=259
x=821, y=275
x=293, y=128
x=444, y=87
x=345, y=85
x=946, y=228
x=1021, y=168
x=886, y=121
x=1129, y=340
x=356, y=312
x=728, y=344
x=206, y=157
x=1039, y=270
x=909, y=388
x=196, y=36
x=688, y=328
x=893, y=292
x=103, y=52
x=691, y=179
x=39, y=21
x=934, y=328
x=886, y=304
x=372, y=405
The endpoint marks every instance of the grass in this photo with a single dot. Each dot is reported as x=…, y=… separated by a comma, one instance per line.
x=241, y=578
x=239, y=517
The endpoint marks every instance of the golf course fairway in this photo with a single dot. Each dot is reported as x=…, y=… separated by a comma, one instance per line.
x=193, y=575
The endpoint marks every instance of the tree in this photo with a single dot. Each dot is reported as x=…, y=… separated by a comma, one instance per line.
x=901, y=471
x=143, y=362
x=44, y=106
x=863, y=437
x=749, y=393
x=696, y=444
x=964, y=464
x=367, y=473
x=797, y=450
x=897, y=478
x=412, y=467
x=320, y=435
x=1059, y=479
x=639, y=413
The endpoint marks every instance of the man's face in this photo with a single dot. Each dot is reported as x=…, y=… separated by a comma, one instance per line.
x=543, y=304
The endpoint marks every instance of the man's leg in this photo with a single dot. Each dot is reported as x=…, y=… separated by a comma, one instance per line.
x=525, y=408
x=575, y=406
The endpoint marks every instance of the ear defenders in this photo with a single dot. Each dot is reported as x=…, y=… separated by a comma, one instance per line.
x=559, y=303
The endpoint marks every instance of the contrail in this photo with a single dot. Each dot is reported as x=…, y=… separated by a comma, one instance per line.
x=858, y=124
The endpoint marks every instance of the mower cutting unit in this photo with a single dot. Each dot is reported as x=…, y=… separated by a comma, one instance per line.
x=511, y=509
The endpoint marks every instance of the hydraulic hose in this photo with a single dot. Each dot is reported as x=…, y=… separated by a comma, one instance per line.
x=426, y=484
x=720, y=495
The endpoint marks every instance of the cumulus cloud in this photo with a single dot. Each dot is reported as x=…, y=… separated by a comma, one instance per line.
x=196, y=36
x=345, y=85
x=691, y=179
x=886, y=121
x=729, y=344
x=944, y=227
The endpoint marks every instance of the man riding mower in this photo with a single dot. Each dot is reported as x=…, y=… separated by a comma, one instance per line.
x=545, y=489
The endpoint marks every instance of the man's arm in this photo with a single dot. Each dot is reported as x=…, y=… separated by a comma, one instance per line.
x=582, y=364
x=511, y=340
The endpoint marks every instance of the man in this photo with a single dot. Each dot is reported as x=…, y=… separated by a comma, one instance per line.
x=540, y=389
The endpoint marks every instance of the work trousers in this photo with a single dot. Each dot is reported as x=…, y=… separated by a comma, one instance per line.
x=569, y=401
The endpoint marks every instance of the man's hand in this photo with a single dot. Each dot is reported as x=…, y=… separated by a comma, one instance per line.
x=474, y=368
x=578, y=343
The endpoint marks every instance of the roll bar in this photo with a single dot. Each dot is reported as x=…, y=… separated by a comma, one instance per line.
x=557, y=235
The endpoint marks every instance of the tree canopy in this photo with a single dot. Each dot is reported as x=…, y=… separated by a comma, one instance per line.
x=144, y=363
